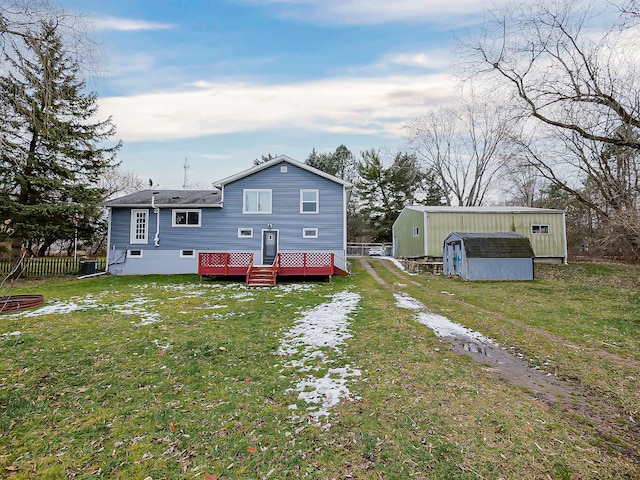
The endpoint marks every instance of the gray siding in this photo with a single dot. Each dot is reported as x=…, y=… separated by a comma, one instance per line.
x=219, y=226
x=499, y=269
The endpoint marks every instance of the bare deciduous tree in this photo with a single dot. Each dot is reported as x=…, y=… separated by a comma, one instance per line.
x=465, y=147
x=115, y=181
x=573, y=64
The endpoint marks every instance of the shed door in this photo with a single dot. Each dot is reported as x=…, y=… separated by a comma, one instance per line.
x=457, y=257
x=269, y=246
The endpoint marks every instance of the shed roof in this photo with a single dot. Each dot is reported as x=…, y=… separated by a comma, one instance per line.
x=445, y=209
x=165, y=198
x=494, y=244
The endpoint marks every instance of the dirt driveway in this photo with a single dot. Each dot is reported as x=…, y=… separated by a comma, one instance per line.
x=613, y=425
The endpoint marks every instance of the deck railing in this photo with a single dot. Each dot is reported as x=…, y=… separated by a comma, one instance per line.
x=224, y=263
x=285, y=263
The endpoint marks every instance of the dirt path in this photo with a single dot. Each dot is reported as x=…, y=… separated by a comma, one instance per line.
x=613, y=425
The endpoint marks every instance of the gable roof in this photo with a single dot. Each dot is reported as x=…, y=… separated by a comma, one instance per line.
x=502, y=209
x=494, y=244
x=275, y=161
x=169, y=198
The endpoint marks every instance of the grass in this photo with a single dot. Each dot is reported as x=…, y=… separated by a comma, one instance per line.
x=165, y=377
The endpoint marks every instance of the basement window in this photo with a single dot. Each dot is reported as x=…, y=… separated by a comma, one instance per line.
x=543, y=229
x=187, y=253
x=245, y=233
x=134, y=253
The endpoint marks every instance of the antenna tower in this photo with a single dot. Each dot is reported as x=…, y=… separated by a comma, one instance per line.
x=185, y=183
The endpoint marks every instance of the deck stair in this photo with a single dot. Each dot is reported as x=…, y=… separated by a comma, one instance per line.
x=262, y=276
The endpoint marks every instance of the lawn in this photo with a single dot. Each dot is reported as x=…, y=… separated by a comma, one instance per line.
x=167, y=377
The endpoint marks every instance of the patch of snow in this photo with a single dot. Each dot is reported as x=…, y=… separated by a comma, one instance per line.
x=326, y=391
x=405, y=301
x=5, y=336
x=166, y=346
x=327, y=325
x=295, y=287
x=138, y=307
x=323, y=327
x=57, y=307
x=443, y=327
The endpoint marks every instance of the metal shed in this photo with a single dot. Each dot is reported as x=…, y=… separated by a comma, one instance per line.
x=419, y=231
x=488, y=256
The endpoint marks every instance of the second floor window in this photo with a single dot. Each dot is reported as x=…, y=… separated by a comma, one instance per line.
x=256, y=201
x=309, y=201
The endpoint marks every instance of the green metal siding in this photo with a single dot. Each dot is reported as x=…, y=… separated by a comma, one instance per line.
x=405, y=243
x=441, y=224
x=437, y=225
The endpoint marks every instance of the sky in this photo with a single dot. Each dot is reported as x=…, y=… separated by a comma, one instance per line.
x=220, y=83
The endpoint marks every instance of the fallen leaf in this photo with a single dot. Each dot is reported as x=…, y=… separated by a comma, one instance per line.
x=247, y=380
x=12, y=468
x=208, y=476
x=223, y=349
x=252, y=449
x=161, y=351
x=54, y=404
x=17, y=372
x=172, y=427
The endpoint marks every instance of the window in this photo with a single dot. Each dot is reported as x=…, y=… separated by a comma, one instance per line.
x=309, y=201
x=134, y=253
x=309, y=233
x=539, y=229
x=186, y=218
x=416, y=231
x=139, y=226
x=187, y=253
x=256, y=201
x=245, y=233
x=283, y=169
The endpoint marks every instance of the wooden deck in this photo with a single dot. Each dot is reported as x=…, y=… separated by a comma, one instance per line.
x=240, y=264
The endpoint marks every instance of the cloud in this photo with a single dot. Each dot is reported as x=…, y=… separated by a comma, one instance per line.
x=127, y=24
x=371, y=106
x=368, y=12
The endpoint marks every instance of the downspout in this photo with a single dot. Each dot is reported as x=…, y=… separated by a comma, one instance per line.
x=106, y=265
x=564, y=235
x=156, y=210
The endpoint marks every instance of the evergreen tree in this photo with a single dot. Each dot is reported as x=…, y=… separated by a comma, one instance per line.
x=384, y=191
x=51, y=147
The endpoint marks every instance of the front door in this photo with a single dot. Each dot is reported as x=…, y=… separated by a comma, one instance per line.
x=269, y=246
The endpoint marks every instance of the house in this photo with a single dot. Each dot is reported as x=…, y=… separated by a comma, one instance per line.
x=283, y=215
x=488, y=256
x=419, y=231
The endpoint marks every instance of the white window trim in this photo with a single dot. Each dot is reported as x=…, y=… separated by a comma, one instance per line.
x=130, y=255
x=185, y=210
x=240, y=230
x=132, y=232
x=305, y=230
x=416, y=232
x=540, y=225
x=317, y=202
x=192, y=250
x=258, y=190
